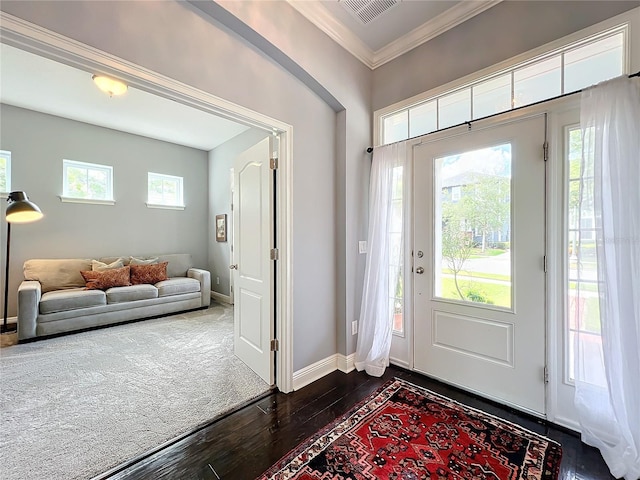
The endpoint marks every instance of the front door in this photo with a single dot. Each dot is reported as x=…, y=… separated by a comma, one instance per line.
x=479, y=246
x=253, y=270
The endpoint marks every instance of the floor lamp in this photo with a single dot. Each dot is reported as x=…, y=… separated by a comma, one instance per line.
x=19, y=210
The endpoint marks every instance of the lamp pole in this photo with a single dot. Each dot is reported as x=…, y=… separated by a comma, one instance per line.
x=19, y=210
x=6, y=279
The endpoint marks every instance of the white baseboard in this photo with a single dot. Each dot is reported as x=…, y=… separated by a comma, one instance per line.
x=567, y=423
x=317, y=370
x=346, y=364
x=219, y=297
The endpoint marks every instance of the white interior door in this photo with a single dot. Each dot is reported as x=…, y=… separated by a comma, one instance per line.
x=253, y=270
x=479, y=246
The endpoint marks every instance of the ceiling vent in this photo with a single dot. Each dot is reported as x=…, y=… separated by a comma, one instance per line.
x=367, y=10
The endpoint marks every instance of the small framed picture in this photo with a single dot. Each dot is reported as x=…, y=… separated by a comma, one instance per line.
x=221, y=227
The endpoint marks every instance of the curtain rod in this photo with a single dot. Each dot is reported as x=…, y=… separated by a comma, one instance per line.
x=468, y=123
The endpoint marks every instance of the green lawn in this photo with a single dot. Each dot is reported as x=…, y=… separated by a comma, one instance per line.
x=479, y=275
x=488, y=252
x=498, y=295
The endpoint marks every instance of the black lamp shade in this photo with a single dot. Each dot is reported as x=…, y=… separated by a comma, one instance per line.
x=21, y=210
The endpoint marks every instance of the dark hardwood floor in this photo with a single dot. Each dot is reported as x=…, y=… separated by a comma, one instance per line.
x=245, y=443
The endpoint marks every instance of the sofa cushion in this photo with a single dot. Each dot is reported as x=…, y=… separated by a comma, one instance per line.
x=177, y=286
x=131, y=293
x=98, y=266
x=117, y=277
x=151, y=274
x=57, y=274
x=71, y=299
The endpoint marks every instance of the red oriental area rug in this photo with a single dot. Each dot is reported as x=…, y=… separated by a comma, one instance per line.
x=406, y=432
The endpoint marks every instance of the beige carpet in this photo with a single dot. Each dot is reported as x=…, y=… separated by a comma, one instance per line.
x=73, y=407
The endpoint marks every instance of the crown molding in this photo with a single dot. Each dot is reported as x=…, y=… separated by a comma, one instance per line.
x=447, y=20
x=321, y=18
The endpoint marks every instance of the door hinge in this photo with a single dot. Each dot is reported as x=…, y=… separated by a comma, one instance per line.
x=273, y=163
x=545, y=374
x=232, y=207
x=274, y=254
x=544, y=263
x=275, y=345
x=545, y=151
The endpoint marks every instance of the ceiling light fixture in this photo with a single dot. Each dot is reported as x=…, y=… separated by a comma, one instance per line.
x=110, y=85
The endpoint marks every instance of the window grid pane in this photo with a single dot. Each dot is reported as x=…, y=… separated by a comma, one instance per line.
x=492, y=96
x=87, y=180
x=593, y=63
x=164, y=190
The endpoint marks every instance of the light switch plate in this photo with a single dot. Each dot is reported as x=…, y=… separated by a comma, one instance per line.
x=362, y=246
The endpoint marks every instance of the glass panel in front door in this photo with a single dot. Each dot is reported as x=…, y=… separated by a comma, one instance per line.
x=473, y=226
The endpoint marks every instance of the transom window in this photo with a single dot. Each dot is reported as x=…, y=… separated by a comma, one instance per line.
x=5, y=171
x=87, y=181
x=164, y=191
x=562, y=70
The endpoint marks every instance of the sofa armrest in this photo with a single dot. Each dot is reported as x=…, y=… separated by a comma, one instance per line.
x=29, y=294
x=204, y=277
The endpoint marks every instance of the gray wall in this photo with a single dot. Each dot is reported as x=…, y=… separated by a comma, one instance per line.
x=348, y=81
x=174, y=40
x=38, y=144
x=504, y=31
x=220, y=162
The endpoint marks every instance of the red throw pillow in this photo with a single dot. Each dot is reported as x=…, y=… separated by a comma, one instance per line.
x=116, y=277
x=148, y=273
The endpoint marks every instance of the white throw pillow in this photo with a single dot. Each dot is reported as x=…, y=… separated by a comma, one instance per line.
x=141, y=261
x=98, y=266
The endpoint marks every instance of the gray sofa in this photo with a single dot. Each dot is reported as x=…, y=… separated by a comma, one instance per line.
x=53, y=299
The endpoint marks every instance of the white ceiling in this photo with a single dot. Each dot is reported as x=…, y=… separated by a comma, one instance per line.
x=398, y=29
x=36, y=83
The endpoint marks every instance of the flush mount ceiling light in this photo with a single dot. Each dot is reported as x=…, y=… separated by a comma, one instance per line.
x=109, y=85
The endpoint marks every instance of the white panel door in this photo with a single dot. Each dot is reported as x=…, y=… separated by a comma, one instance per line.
x=253, y=270
x=479, y=246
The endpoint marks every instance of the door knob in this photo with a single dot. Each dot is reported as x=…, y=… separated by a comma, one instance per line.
x=233, y=267
x=420, y=270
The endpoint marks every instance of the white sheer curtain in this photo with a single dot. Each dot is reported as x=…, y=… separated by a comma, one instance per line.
x=608, y=375
x=384, y=255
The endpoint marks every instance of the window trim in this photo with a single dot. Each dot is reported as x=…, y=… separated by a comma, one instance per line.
x=65, y=198
x=7, y=155
x=164, y=206
x=626, y=22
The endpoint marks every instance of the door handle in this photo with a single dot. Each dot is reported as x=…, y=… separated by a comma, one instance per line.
x=420, y=270
x=233, y=267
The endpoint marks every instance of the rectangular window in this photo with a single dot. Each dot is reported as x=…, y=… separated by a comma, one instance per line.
x=492, y=96
x=454, y=108
x=593, y=63
x=5, y=171
x=396, y=127
x=537, y=82
x=583, y=303
x=565, y=69
x=87, y=181
x=423, y=119
x=396, y=281
x=473, y=220
x=164, y=191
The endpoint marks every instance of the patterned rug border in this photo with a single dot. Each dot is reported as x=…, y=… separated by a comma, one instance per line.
x=394, y=384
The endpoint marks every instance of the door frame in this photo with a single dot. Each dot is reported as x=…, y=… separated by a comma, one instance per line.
x=46, y=43
x=404, y=344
